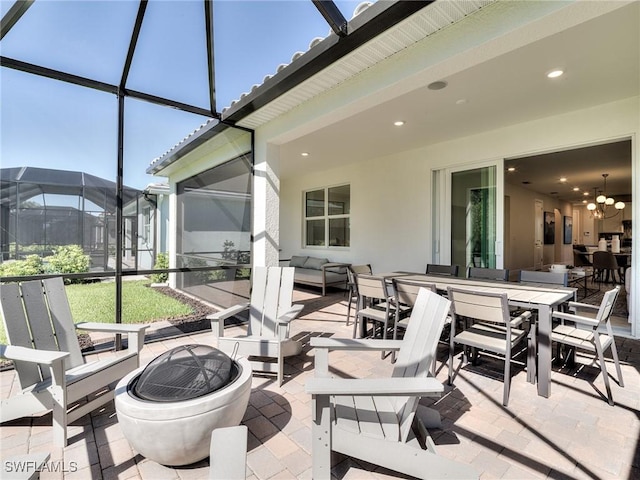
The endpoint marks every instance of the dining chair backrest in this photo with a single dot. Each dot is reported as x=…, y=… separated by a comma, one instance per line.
x=606, y=306
x=604, y=260
x=359, y=269
x=353, y=271
x=370, y=286
x=484, y=306
x=436, y=269
x=551, y=278
x=499, y=274
x=406, y=291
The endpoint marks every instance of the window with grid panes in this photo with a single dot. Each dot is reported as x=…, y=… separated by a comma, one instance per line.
x=327, y=214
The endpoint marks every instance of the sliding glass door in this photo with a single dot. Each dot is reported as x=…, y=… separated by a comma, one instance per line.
x=469, y=228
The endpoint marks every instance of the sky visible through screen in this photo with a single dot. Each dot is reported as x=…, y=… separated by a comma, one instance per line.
x=51, y=124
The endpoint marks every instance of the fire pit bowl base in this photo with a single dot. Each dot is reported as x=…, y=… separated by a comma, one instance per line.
x=179, y=433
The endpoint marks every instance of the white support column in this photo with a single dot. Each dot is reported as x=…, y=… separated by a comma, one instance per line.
x=173, y=232
x=266, y=204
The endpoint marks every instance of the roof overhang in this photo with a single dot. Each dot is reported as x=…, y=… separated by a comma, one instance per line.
x=367, y=25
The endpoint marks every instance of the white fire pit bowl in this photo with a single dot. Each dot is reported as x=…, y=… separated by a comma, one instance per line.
x=179, y=433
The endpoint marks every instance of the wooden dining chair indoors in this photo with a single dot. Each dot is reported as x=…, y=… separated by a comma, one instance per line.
x=489, y=328
x=588, y=327
x=605, y=265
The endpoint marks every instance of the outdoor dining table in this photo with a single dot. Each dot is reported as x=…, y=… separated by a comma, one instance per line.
x=543, y=298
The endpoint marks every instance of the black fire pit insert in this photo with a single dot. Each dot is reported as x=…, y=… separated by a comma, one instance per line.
x=183, y=373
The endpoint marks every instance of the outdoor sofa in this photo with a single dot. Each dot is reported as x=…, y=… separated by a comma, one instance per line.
x=318, y=272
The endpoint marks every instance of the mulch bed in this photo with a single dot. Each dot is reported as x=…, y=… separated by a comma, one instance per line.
x=193, y=322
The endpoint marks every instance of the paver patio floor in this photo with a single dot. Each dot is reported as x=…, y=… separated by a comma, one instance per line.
x=572, y=434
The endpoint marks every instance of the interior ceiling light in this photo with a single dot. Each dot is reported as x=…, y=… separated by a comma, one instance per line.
x=585, y=193
x=576, y=189
x=602, y=203
x=439, y=85
x=399, y=123
x=563, y=179
x=305, y=154
x=555, y=73
x=511, y=169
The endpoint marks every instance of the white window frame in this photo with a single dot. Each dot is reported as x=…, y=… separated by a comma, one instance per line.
x=325, y=217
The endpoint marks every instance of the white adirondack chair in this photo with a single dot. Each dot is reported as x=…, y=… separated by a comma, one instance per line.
x=379, y=420
x=270, y=312
x=51, y=369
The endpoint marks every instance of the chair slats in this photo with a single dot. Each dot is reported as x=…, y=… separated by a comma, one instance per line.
x=15, y=323
x=62, y=320
x=38, y=316
x=258, y=292
x=272, y=297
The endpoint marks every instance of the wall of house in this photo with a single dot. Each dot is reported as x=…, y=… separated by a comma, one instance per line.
x=391, y=196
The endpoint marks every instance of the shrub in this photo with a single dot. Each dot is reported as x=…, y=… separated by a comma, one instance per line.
x=32, y=265
x=162, y=262
x=68, y=259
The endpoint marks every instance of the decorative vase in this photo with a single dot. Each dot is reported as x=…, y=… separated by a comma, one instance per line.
x=602, y=245
x=615, y=244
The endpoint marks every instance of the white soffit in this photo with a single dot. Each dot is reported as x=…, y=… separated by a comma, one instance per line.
x=422, y=24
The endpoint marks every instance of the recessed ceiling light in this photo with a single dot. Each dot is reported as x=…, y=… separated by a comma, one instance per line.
x=305, y=154
x=576, y=189
x=511, y=169
x=563, y=179
x=439, y=85
x=584, y=201
x=555, y=73
x=585, y=193
x=399, y=123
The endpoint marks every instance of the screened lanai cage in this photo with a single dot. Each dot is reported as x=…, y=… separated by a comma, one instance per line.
x=124, y=91
x=43, y=209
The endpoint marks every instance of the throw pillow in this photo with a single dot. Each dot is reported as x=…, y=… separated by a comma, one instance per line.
x=297, y=261
x=315, y=263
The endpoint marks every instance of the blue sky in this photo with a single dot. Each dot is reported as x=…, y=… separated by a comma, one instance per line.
x=50, y=124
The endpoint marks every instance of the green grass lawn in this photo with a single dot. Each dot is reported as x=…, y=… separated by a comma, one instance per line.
x=96, y=302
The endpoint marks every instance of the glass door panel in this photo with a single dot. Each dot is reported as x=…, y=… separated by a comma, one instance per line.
x=473, y=218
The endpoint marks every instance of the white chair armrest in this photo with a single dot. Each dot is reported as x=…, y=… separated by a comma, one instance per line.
x=374, y=386
x=355, y=344
x=135, y=332
x=111, y=327
x=576, y=318
x=228, y=312
x=24, y=354
x=583, y=306
x=217, y=318
x=291, y=314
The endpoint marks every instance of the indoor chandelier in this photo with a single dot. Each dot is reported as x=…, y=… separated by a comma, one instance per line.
x=602, y=203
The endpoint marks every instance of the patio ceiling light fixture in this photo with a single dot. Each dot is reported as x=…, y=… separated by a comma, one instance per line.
x=602, y=203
